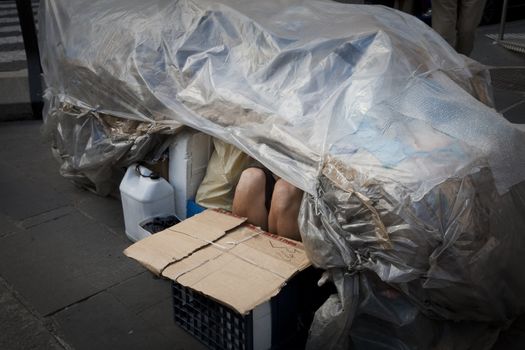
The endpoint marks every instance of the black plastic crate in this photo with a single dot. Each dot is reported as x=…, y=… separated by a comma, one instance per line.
x=214, y=324
x=220, y=327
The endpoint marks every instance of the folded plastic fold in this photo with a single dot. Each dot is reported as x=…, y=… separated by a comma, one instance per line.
x=414, y=197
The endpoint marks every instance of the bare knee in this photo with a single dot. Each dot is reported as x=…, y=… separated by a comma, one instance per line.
x=252, y=181
x=286, y=201
x=249, y=197
x=286, y=194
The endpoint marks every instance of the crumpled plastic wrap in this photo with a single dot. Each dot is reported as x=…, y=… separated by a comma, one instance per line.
x=93, y=148
x=414, y=200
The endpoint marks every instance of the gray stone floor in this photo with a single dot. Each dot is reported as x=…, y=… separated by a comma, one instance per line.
x=508, y=70
x=64, y=283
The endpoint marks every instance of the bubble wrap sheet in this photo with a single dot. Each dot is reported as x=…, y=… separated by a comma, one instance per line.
x=414, y=202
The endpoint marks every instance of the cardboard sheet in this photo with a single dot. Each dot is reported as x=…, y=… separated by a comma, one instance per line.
x=219, y=255
x=175, y=243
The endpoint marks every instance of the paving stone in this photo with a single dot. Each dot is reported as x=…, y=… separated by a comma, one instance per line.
x=51, y=215
x=511, y=104
x=102, y=322
x=505, y=98
x=160, y=316
x=141, y=292
x=22, y=197
x=7, y=226
x=488, y=52
x=47, y=174
x=39, y=165
x=105, y=210
x=20, y=328
x=32, y=157
x=516, y=114
x=60, y=262
x=15, y=130
x=23, y=145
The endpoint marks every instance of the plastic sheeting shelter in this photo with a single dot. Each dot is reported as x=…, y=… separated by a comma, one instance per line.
x=414, y=201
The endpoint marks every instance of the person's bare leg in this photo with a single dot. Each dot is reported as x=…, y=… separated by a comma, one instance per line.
x=249, y=198
x=284, y=211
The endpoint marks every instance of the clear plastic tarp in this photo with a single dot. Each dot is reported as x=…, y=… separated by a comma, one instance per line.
x=414, y=201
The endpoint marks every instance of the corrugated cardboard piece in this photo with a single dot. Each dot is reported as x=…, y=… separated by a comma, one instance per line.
x=219, y=255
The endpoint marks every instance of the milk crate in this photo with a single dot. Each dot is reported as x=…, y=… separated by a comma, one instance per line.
x=281, y=323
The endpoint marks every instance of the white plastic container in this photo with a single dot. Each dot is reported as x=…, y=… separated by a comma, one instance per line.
x=188, y=160
x=262, y=326
x=144, y=197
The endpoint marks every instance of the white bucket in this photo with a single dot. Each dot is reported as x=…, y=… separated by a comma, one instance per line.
x=143, y=197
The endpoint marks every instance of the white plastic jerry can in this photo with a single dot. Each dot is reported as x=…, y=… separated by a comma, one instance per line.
x=144, y=195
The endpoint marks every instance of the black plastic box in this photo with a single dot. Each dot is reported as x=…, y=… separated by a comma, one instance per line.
x=220, y=327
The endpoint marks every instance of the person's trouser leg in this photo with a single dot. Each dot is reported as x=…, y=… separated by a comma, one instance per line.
x=444, y=19
x=406, y=6
x=469, y=16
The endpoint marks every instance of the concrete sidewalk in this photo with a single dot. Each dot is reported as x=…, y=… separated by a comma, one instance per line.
x=64, y=282
x=507, y=70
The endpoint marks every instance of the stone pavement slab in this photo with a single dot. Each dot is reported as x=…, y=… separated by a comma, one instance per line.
x=29, y=174
x=7, y=226
x=507, y=71
x=51, y=215
x=22, y=197
x=104, y=210
x=135, y=314
x=61, y=251
x=60, y=262
x=20, y=329
x=14, y=88
x=141, y=292
x=103, y=322
x=511, y=104
x=488, y=52
x=14, y=96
